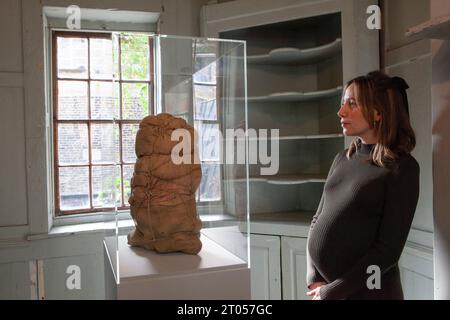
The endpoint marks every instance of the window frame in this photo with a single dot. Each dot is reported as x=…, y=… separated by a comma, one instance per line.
x=54, y=34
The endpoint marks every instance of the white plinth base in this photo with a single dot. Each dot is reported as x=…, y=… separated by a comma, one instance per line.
x=214, y=273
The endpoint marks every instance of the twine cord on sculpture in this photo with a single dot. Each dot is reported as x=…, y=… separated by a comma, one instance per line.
x=149, y=218
x=192, y=218
x=171, y=196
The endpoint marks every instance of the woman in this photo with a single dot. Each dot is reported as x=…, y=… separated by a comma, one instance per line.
x=360, y=228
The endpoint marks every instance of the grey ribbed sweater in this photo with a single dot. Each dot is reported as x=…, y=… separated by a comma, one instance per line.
x=363, y=219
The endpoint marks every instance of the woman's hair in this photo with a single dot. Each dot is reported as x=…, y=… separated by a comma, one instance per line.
x=395, y=136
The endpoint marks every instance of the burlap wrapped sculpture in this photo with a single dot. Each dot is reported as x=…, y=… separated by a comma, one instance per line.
x=163, y=193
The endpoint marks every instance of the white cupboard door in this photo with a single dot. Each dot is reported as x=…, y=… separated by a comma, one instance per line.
x=293, y=262
x=265, y=267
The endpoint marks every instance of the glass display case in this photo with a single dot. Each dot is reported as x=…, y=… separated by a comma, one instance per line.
x=202, y=81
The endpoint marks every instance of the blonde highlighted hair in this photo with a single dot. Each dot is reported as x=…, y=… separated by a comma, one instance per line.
x=395, y=136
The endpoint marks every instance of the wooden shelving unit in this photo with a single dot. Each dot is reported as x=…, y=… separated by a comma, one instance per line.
x=294, y=85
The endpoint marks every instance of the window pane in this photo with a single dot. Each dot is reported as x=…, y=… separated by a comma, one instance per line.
x=128, y=140
x=135, y=100
x=106, y=186
x=177, y=97
x=104, y=100
x=135, y=57
x=205, y=102
x=105, y=143
x=101, y=63
x=72, y=57
x=72, y=100
x=127, y=175
x=72, y=144
x=210, y=184
x=74, y=188
x=205, y=67
x=209, y=141
x=116, y=55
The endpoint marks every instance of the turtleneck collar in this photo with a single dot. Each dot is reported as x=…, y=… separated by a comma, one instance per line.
x=363, y=148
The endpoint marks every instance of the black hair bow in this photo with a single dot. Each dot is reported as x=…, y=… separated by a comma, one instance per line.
x=401, y=85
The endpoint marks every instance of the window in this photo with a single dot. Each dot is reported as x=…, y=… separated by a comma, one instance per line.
x=207, y=126
x=101, y=90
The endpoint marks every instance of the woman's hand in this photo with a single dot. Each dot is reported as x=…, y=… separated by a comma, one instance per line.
x=315, y=290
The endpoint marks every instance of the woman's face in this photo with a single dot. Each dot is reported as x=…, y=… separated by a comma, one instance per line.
x=353, y=122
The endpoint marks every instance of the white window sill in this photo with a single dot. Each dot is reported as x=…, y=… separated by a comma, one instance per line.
x=124, y=226
x=88, y=218
x=106, y=223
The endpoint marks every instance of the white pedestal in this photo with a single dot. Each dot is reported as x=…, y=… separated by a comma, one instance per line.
x=214, y=273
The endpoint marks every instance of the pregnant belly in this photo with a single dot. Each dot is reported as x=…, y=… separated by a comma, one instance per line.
x=334, y=247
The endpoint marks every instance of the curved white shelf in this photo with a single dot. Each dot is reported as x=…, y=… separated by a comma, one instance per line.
x=298, y=137
x=437, y=28
x=292, y=179
x=316, y=136
x=297, y=56
x=292, y=216
x=294, y=224
x=296, y=179
x=297, y=96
